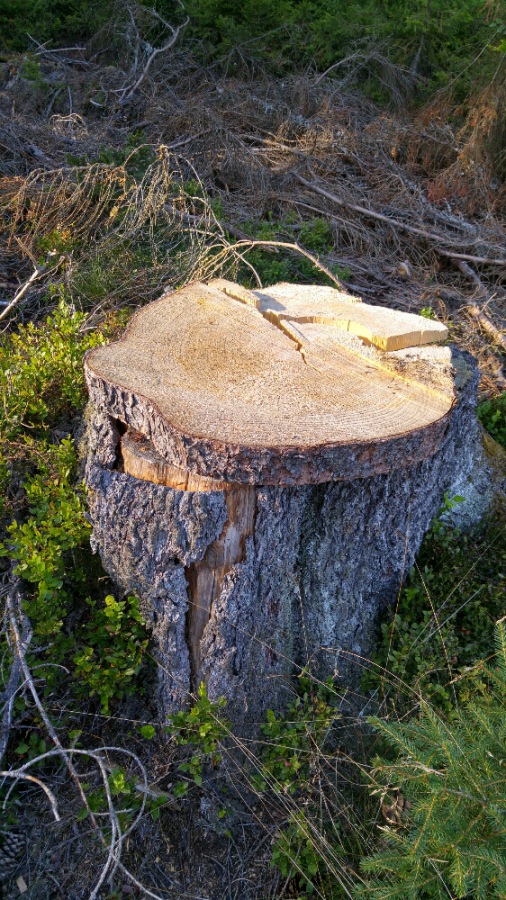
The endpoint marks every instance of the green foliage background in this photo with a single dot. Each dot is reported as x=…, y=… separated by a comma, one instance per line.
x=443, y=36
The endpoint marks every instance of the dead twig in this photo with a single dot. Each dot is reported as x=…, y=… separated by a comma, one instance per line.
x=174, y=33
x=474, y=309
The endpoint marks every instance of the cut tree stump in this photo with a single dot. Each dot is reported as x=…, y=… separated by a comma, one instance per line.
x=262, y=467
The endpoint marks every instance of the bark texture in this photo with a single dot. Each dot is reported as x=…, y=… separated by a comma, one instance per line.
x=304, y=584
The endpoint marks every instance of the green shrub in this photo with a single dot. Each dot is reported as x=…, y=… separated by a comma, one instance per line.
x=200, y=730
x=42, y=381
x=296, y=855
x=492, y=414
x=128, y=795
x=294, y=741
x=289, y=34
x=296, y=759
x=452, y=774
x=114, y=641
x=55, y=525
x=41, y=375
x=50, y=20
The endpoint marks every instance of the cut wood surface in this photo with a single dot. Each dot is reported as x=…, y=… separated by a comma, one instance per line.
x=140, y=459
x=262, y=387
x=386, y=329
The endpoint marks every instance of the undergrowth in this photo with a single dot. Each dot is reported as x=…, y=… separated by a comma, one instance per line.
x=47, y=538
x=314, y=235
x=316, y=787
x=444, y=618
x=450, y=839
x=492, y=414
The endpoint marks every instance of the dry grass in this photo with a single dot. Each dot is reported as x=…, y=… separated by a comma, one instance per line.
x=409, y=193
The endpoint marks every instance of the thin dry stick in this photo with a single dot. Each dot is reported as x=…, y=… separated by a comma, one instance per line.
x=128, y=92
x=14, y=611
x=18, y=774
x=37, y=273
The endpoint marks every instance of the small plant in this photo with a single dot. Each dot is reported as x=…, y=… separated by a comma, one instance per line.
x=296, y=855
x=33, y=745
x=114, y=645
x=126, y=789
x=452, y=773
x=294, y=740
x=200, y=730
x=492, y=415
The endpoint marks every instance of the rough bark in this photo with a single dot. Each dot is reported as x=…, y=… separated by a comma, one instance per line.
x=305, y=581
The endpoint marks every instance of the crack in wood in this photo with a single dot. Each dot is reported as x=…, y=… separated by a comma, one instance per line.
x=139, y=459
x=205, y=578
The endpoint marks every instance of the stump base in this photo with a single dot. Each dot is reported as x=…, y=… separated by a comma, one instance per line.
x=244, y=586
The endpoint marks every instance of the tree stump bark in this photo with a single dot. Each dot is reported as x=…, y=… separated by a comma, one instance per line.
x=262, y=467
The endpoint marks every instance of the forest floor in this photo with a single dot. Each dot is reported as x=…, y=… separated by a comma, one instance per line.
x=111, y=193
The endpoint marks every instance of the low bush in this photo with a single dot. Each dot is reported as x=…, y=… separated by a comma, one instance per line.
x=450, y=839
x=492, y=414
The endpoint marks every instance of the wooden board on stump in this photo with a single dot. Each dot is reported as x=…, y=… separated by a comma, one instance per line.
x=262, y=467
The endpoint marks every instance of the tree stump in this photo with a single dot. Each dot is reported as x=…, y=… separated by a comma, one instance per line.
x=262, y=467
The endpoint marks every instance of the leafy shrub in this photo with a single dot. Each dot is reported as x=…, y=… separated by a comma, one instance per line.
x=296, y=855
x=294, y=760
x=114, y=644
x=200, y=730
x=294, y=741
x=452, y=774
x=124, y=787
x=492, y=414
x=41, y=382
x=55, y=525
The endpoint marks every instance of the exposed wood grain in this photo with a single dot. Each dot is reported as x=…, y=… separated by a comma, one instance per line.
x=205, y=578
x=140, y=459
x=236, y=393
x=386, y=329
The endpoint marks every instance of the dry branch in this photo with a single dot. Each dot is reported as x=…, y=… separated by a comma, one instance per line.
x=395, y=223
x=37, y=273
x=174, y=32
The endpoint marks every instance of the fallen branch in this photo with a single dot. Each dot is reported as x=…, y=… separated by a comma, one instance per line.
x=8, y=696
x=396, y=223
x=477, y=311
